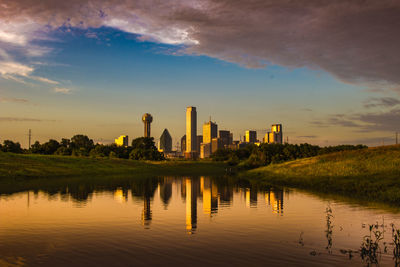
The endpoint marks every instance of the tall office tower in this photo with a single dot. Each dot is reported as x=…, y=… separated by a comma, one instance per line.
x=276, y=135
x=183, y=144
x=122, y=141
x=147, y=120
x=166, y=141
x=251, y=136
x=225, y=137
x=210, y=131
x=191, y=129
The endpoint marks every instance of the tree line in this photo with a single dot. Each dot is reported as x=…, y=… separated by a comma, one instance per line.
x=253, y=156
x=142, y=148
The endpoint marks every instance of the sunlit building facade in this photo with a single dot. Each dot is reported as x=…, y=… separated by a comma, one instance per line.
x=191, y=129
x=123, y=140
x=210, y=131
x=275, y=136
x=250, y=136
x=205, y=150
x=147, y=120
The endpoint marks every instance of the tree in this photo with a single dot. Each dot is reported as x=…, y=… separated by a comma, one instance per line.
x=36, y=148
x=63, y=151
x=50, y=147
x=81, y=145
x=143, y=148
x=81, y=141
x=10, y=146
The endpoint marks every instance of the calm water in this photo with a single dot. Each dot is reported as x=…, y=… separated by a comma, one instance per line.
x=186, y=221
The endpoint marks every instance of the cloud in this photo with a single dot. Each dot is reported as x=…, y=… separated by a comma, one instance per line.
x=9, y=68
x=336, y=120
x=19, y=119
x=382, y=121
x=45, y=80
x=13, y=100
x=18, y=72
x=61, y=90
x=307, y=136
x=355, y=41
x=381, y=102
x=16, y=39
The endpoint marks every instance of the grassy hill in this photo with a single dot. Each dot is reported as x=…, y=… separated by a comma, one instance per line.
x=372, y=173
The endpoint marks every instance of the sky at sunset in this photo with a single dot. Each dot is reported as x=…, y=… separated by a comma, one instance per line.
x=329, y=71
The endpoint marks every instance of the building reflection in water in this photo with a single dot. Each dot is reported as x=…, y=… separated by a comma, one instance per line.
x=251, y=197
x=275, y=200
x=192, y=186
x=121, y=195
x=214, y=193
x=145, y=189
x=210, y=195
x=166, y=191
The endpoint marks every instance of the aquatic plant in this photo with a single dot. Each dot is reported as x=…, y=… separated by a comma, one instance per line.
x=329, y=229
x=370, y=250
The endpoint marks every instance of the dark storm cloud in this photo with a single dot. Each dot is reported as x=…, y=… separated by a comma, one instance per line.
x=357, y=41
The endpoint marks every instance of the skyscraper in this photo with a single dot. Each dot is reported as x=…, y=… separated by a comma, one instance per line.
x=191, y=129
x=276, y=135
x=147, y=120
x=225, y=137
x=251, y=136
x=166, y=141
x=210, y=131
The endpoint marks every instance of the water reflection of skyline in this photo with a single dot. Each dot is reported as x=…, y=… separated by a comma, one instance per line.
x=219, y=211
x=211, y=193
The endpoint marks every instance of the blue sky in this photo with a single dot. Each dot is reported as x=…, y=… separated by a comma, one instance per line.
x=100, y=80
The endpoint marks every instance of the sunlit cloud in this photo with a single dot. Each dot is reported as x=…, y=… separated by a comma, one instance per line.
x=42, y=79
x=60, y=90
x=8, y=69
x=12, y=38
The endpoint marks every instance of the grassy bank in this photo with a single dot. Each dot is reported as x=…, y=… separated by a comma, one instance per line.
x=370, y=174
x=26, y=166
x=21, y=172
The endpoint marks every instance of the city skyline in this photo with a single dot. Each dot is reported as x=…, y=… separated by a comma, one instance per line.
x=94, y=72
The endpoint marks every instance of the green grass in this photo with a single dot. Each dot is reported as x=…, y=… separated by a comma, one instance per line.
x=21, y=172
x=39, y=166
x=370, y=174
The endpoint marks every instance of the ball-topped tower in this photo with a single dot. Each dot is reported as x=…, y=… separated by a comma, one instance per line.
x=147, y=120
